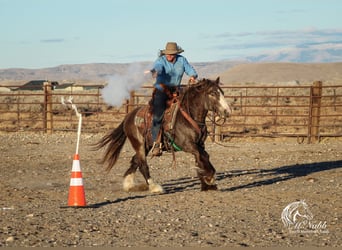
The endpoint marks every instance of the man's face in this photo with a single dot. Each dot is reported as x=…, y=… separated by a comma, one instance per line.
x=170, y=58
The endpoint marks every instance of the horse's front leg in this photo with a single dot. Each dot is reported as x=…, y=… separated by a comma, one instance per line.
x=206, y=171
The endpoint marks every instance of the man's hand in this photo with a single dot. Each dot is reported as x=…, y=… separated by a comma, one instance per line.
x=192, y=80
x=152, y=71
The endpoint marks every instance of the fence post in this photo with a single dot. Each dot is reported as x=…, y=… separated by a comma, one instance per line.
x=47, y=107
x=315, y=111
x=131, y=101
x=217, y=130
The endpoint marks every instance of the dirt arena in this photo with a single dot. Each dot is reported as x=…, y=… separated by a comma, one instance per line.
x=257, y=179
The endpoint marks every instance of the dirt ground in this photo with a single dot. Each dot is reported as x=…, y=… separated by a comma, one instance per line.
x=257, y=179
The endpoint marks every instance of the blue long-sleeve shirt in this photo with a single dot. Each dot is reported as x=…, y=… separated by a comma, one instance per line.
x=171, y=74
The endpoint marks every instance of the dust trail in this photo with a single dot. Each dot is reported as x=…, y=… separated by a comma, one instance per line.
x=120, y=85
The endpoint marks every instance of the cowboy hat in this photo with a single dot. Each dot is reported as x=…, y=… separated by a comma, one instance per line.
x=172, y=48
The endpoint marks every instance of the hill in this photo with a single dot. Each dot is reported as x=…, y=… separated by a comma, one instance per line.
x=283, y=73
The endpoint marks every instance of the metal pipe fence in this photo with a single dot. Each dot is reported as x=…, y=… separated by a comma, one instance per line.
x=306, y=112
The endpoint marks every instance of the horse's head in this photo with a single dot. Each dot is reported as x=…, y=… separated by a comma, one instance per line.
x=214, y=97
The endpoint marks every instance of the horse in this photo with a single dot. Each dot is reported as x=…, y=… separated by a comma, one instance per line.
x=188, y=133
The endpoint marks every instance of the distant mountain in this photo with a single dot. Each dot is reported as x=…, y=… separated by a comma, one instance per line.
x=99, y=72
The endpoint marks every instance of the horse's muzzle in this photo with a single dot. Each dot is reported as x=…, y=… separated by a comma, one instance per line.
x=225, y=113
x=222, y=116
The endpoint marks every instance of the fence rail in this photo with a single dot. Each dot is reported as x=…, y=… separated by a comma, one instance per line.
x=305, y=112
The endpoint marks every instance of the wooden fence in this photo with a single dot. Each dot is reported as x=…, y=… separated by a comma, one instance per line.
x=305, y=112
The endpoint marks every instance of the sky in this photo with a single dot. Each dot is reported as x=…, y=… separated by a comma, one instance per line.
x=49, y=33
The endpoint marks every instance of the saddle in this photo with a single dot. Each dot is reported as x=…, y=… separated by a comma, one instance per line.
x=144, y=117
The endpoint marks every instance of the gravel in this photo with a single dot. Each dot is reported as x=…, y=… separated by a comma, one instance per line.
x=257, y=179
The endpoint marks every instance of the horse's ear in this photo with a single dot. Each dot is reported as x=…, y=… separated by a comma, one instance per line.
x=218, y=80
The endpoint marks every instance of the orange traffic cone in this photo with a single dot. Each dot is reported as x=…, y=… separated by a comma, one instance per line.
x=76, y=191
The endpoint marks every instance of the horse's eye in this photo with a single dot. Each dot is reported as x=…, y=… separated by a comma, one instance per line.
x=214, y=93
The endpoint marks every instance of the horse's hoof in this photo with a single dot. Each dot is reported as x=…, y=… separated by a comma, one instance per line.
x=209, y=187
x=128, y=183
x=138, y=188
x=156, y=189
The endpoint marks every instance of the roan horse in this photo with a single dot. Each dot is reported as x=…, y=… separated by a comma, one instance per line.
x=194, y=104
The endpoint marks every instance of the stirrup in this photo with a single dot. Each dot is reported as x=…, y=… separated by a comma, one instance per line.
x=156, y=149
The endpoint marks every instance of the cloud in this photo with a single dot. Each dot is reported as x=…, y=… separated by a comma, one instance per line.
x=277, y=39
x=53, y=40
x=310, y=44
x=302, y=45
x=248, y=45
x=328, y=52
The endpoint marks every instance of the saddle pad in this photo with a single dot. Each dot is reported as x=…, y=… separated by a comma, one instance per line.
x=143, y=118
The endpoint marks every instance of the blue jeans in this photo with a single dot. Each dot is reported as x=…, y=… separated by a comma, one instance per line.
x=159, y=106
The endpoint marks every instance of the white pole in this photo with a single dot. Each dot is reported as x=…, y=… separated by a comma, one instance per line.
x=79, y=115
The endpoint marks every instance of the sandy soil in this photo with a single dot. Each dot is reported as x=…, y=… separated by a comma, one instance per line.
x=257, y=179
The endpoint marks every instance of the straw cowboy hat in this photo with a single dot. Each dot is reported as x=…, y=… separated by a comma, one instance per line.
x=172, y=48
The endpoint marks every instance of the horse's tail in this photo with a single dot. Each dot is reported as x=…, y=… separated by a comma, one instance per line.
x=113, y=141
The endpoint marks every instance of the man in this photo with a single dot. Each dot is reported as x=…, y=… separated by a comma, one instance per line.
x=168, y=70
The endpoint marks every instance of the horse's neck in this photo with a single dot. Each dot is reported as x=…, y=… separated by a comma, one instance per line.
x=195, y=107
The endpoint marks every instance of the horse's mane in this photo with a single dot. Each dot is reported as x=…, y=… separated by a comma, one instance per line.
x=201, y=86
x=190, y=92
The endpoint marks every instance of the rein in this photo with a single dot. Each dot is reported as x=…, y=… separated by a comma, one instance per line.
x=189, y=119
x=186, y=114
x=216, y=122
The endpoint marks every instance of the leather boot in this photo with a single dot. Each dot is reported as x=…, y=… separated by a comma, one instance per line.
x=156, y=149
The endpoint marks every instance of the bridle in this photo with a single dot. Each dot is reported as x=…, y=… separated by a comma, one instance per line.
x=214, y=114
x=216, y=122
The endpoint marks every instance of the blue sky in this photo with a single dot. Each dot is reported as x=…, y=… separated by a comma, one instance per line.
x=48, y=33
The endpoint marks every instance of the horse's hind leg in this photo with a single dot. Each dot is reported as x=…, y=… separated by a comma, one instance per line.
x=138, y=160
x=153, y=187
x=128, y=182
